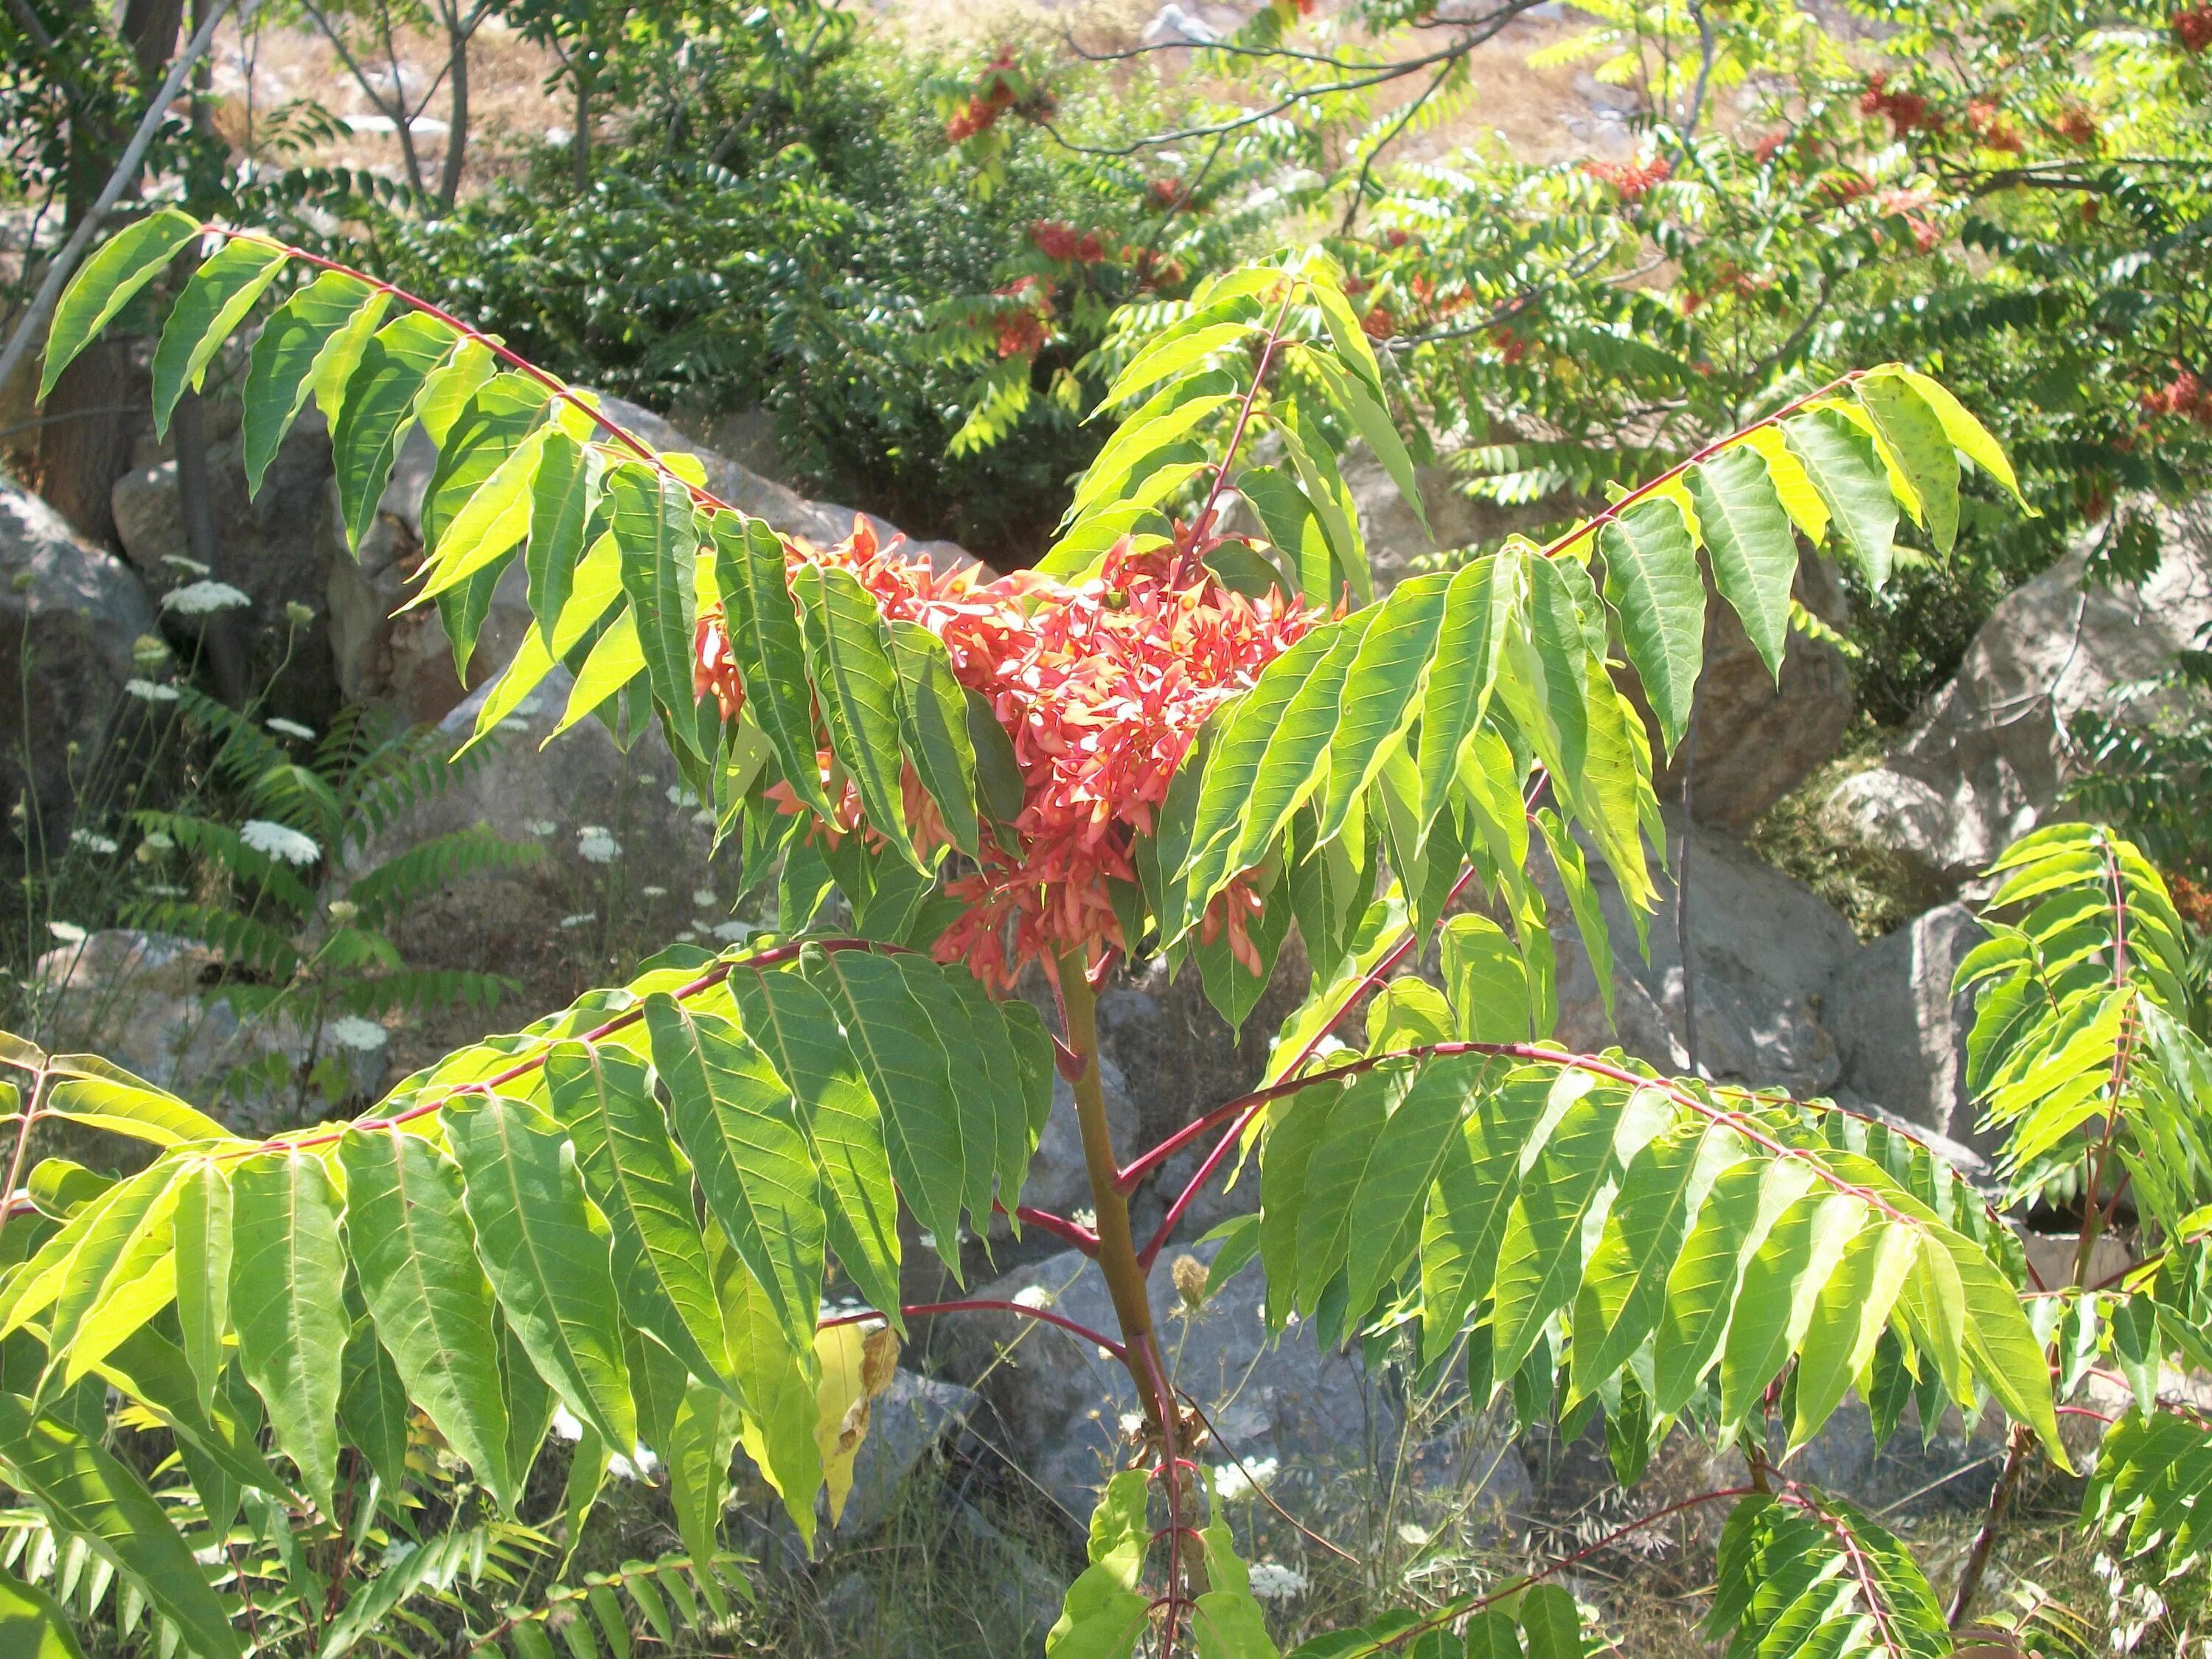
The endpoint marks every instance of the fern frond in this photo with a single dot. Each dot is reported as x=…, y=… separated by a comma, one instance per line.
x=237, y=940
x=436, y=864
x=223, y=846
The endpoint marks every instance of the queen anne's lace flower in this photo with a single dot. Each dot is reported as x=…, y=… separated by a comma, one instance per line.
x=352, y=1031
x=279, y=841
x=1102, y=688
x=596, y=845
x=151, y=691
x=1271, y=1580
x=285, y=728
x=204, y=599
x=93, y=841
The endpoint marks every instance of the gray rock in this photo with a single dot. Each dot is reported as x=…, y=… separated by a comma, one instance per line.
x=906, y=1422
x=1058, y=1179
x=68, y=617
x=1763, y=949
x=141, y=1001
x=1393, y=532
x=1063, y=1410
x=785, y=509
x=1900, y=1032
x=1988, y=759
x=287, y=545
x=275, y=548
x=558, y=925
x=1758, y=740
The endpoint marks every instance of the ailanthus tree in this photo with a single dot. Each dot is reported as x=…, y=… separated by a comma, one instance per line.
x=1163, y=741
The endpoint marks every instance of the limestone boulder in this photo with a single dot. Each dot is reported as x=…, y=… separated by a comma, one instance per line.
x=1758, y=738
x=152, y=1004
x=69, y=615
x=1063, y=1410
x=1763, y=949
x=276, y=548
x=1989, y=758
x=1900, y=1034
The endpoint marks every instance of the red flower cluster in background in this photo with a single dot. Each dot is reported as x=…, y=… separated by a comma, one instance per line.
x=2194, y=27
x=2076, y=125
x=1102, y=688
x=1001, y=87
x=1058, y=239
x=1630, y=179
x=1907, y=112
x=1989, y=126
x=1023, y=330
x=2184, y=395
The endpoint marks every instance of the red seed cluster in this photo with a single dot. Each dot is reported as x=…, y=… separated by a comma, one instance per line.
x=2194, y=27
x=1906, y=112
x=1057, y=240
x=2184, y=395
x=1990, y=128
x=1023, y=330
x=2076, y=125
x=1630, y=179
x=1102, y=688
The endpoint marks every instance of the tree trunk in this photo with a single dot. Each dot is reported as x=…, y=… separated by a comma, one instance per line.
x=456, y=110
x=91, y=418
x=580, y=146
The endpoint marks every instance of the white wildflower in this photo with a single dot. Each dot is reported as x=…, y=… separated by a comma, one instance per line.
x=541, y=827
x=1271, y=1580
x=158, y=840
x=151, y=691
x=704, y=817
x=680, y=796
x=67, y=932
x=734, y=933
x=1234, y=1480
x=1086, y=1218
x=653, y=892
x=342, y=912
x=686, y=936
x=928, y=1240
x=704, y=898
x=582, y=918
x=511, y=723
x=190, y=566
x=1132, y=1424
x=167, y=890
x=637, y=1468
x=92, y=842
x=594, y=845
x=565, y=1424
x=647, y=779
x=284, y=728
x=1033, y=1295
x=528, y=706
x=279, y=841
x=204, y=599
x=352, y=1031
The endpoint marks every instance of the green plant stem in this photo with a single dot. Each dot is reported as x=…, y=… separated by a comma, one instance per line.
x=1117, y=1247
x=23, y=1148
